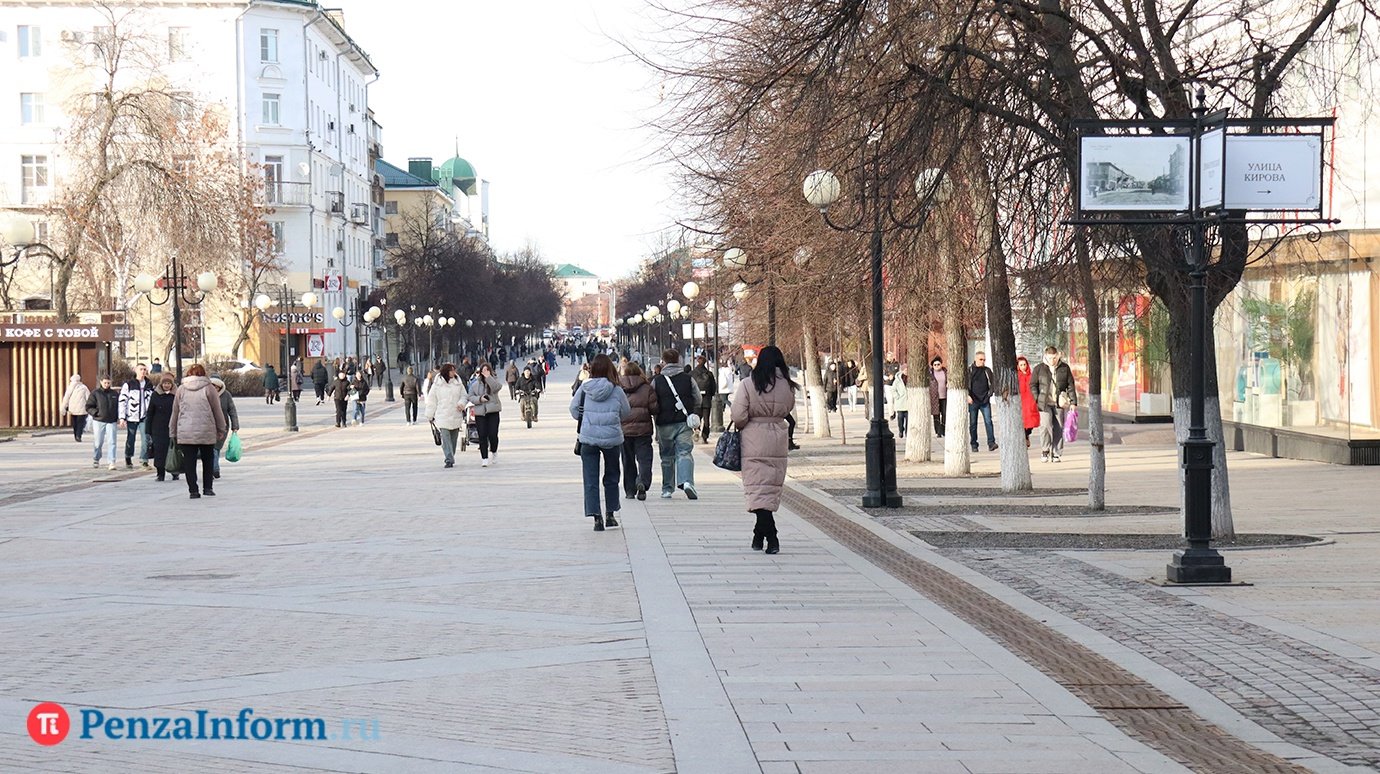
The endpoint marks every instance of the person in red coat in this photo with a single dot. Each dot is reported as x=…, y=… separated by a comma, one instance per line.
x=1030, y=413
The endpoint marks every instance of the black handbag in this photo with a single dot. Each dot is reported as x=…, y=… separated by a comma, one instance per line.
x=728, y=454
x=579, y=422
x=435, y=433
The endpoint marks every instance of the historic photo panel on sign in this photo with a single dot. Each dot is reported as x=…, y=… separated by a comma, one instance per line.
x=1134, y=173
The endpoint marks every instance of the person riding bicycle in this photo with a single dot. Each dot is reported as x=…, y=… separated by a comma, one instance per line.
x=530, y=384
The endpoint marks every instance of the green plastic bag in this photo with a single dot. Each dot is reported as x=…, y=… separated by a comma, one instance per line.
x=173, y=460
x=233, y=449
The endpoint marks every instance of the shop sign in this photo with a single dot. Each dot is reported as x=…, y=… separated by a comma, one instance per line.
x=296, y=318
x=60, y=332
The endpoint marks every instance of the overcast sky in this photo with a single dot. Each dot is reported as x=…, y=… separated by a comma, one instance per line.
x=541, y=102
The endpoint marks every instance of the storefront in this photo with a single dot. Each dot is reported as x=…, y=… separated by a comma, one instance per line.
x=1297, y=353
x=38, y=356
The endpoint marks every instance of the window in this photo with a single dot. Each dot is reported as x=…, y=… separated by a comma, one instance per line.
x=30, y=41
x=272, y=104
x=33, y=178
x=390, y=239
x=177, y=44
x=30, y=108
x=268, y=45
x=276, y=232
x=390, y=208
x=181, y=105
x=273, y=179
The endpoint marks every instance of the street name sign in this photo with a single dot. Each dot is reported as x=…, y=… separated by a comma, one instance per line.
x=1273, y=172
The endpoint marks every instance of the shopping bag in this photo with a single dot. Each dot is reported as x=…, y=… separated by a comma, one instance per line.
x=1071, y=426
x=233, y=448
x=728, y=454
x=173, y=459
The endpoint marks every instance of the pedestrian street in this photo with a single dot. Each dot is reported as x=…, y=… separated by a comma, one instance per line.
x=469, y=619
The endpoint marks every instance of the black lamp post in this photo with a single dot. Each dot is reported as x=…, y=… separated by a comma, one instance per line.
x=263, y=302
x=174, y=284
x=18, y=232
x=821, y=190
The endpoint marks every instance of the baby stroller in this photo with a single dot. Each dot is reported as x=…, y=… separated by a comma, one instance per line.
x=471, y=428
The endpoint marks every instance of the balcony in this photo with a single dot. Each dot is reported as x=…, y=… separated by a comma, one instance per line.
x=336, y=199
x=287, y=194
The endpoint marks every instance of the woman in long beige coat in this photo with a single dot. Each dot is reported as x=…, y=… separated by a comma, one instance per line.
x=760, y=406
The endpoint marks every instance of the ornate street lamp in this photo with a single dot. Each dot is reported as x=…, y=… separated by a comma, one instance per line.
x=822, y=189
x=175, y=286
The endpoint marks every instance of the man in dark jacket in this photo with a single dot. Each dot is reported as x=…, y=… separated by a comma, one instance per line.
x=410, y=392
x=104, y=408
x=708, y=386
x=980, y=401
x=677, y=398
x=320, y=377
x=1051, y=384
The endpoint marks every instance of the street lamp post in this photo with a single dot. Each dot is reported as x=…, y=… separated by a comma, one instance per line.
x=691, y=291
x=174, y=285
x=18, y=232
x=822, y=189
x=263, y=302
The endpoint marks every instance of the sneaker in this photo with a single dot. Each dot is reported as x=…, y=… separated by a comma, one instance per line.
x=641, y=491
x=493, y=458
x=112, y=466
x=95, y=463
x=689, y=490
x=1056, y=458
x=146, y=465
x=1044, y=457
x=992, y=447
x=665, y=494
x=484, y=462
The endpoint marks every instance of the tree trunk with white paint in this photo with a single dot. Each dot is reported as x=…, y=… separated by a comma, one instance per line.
x=814, y=386
x=920, y=428
x=1097, y=444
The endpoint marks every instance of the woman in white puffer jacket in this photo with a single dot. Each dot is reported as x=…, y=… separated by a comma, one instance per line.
x=445, y=408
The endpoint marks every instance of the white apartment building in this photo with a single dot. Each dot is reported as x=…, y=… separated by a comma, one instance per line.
x=297, y=86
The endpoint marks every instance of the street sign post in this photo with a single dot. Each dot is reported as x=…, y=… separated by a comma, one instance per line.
x=1274, y=172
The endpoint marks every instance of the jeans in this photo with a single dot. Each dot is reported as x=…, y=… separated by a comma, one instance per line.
x=902, y=421
x=676, y=443
x=203, y=452
x=487, y=426
x=449, y=440
x=136, y=430
x=1051, y=430
x=105, y=431
x=409, y=409
x=589, y=460
x=637, y=462
x=359, y=412
x=986, y=411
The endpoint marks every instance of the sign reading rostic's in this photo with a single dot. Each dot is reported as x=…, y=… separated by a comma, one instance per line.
x=57, y=332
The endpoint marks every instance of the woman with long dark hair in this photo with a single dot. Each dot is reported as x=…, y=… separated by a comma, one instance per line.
x=486, y=391
x=760, y=406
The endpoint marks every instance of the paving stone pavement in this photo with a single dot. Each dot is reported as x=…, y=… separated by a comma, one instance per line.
x=1303, y=693
x=473, y=618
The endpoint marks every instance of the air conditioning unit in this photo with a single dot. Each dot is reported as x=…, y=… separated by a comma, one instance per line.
x=359, y=213
x=330, y=125
x=340, y=245
x=351, y=130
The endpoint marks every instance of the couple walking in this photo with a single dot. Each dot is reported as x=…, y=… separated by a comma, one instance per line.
x=617, y=419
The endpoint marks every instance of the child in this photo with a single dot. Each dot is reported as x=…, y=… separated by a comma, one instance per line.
x=352, y=405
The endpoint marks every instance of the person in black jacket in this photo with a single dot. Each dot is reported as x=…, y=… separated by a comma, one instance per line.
x=340, y=393
x=675, y=439
x=1052, y=387
x=104, y=408
x=708, y=386
x=361, y=395
x=320, y=377
x=980, y=401
x=160, y=411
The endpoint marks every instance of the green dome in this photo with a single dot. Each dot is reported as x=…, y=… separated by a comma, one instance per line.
x=462, y=172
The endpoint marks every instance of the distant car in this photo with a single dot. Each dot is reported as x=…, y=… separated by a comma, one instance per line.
x=233, y=366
